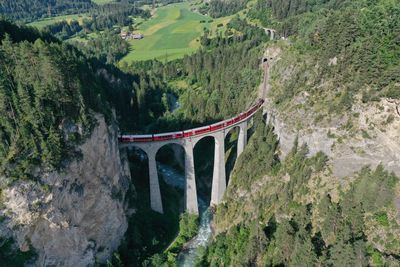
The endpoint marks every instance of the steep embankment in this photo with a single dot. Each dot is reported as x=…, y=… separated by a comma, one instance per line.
x=335, y=82
x=330, y=89
x=76, y=215
x=62, y=183
x=295, y=212
x=366, y=134
x=287, y=205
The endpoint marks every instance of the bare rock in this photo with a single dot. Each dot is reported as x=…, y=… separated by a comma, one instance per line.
x=76, y=218
x=374, y=138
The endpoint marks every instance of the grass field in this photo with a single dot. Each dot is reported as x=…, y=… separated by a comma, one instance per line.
x=44, y=22
x=171, y=33
x=85, y=39
x=102, y=2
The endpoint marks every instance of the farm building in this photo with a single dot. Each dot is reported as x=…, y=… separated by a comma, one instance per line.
x=130, y=36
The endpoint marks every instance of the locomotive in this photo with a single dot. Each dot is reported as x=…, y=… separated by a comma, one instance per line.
x=192, y=132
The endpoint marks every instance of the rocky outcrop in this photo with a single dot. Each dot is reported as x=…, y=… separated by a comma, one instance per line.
x=374, y=138
x=376, y=141
x=75, y=216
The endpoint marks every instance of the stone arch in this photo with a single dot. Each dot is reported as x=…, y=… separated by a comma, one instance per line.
x=196, y=139
x=170, y=165
x=136, y=148
x=203, y=151
x=176, y=149
x=156, y=146
x=150, y=149
x=231, y=147
x=218, y=176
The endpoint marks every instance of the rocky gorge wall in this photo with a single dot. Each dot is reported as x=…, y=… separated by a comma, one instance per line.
x=377, y=128
x=77, y=215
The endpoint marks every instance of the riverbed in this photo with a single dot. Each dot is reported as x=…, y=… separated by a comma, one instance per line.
x=188, y=256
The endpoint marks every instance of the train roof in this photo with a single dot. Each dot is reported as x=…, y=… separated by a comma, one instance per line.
x=169, y=133
x=136, y=135
x=218, y=123
x=199, y=128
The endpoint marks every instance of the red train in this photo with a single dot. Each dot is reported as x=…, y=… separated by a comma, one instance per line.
x=191, y=132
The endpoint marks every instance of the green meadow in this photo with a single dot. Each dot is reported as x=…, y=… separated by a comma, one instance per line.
x=44, y=22
x=102, y=2
x=79, y=17
x=171, y=33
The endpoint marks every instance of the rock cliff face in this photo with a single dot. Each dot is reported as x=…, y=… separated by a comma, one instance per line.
x=77, y=215
x=375, y=136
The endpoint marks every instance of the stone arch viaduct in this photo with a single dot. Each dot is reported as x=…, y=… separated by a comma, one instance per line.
x=151, y=144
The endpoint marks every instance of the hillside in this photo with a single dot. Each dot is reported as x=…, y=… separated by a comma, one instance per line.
x=28, y=10
x=55, y=180
x=339, y=84
x=295, y=212
x=317, y=184
x=311, y=187
x=44, y=87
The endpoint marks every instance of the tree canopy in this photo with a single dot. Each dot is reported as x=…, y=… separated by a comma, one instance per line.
x=29, y=10
x=44, y=89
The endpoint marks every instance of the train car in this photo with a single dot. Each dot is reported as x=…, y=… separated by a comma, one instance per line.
x=254, y=109
x=123, y=139
x=201, y=130
x=217, y=126
x=228, y=122
x=143, y=138
x=249, y=112
x=236, y=119
x=192, y=132
x=167, y=136
x=188, y=133
x=136, y=138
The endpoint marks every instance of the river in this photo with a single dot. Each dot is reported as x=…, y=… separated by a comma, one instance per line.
x=188, y=256
x=174, y=102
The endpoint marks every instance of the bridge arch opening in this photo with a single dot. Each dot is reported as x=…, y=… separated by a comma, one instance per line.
x=204, y=167
x=170, y=162
x=139, y=168
x=231, y=145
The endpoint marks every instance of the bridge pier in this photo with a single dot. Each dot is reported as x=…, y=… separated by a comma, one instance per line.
x=155, y=193
x=242, y=140
x=190, y=184
x=219, y=176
